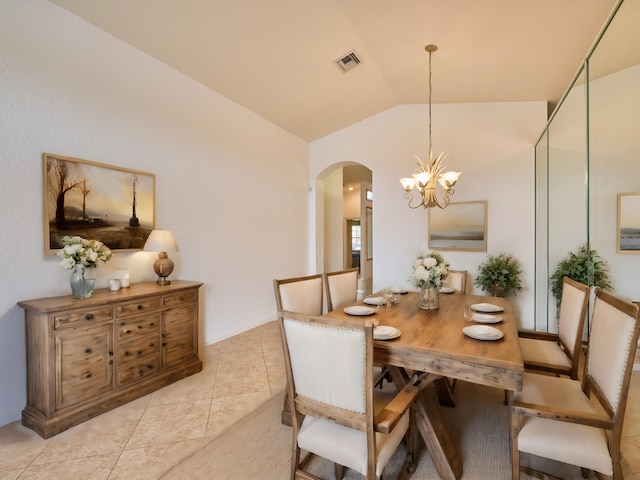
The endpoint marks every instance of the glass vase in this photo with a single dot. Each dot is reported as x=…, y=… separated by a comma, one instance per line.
x=83, y=281
x=429, y=298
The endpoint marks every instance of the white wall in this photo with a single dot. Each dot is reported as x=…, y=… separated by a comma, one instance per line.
x=231, y=186
x=491, y=143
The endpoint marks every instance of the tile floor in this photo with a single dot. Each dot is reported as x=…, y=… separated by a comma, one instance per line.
x=146, y=437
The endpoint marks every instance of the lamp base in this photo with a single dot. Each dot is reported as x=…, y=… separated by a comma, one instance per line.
x=163, y=266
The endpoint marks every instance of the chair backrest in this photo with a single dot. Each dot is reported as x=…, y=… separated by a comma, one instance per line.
x=457, y=279
x=610, y=355
x=573, y=310
x=330, y=360
x=300, y=294
x=342, y=288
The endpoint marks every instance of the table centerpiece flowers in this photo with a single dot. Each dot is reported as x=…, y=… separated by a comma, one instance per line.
x=430, y=269
x=82, y=256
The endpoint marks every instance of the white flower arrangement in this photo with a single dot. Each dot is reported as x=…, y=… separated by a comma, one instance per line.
x=78, y=250
x=429, y=270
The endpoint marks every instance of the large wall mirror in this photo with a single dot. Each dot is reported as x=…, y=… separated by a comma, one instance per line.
x=589, y=153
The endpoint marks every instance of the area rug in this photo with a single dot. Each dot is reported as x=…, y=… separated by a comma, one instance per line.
x=258, y=447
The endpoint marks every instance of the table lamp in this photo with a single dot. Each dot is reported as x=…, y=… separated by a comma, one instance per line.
x=161, y=241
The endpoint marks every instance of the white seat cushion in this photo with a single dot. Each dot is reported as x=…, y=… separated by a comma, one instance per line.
x=543, y=351
x=347, y=446
x=554, y=439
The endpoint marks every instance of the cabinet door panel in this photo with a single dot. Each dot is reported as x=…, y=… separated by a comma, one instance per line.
x=84, y=363
x=178, y=334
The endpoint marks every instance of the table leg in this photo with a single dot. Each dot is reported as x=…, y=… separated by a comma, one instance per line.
x=446, y=456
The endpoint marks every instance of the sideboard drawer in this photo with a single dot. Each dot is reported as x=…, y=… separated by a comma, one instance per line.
x=138, y=327
x=140, y=306
x=180, y=297
x=142, y=368
x=89, y=315
x=139, y=348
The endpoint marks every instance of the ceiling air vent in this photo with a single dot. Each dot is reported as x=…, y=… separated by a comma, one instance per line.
x=348, y=62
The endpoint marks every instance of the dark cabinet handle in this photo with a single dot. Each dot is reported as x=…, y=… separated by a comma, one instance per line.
x=88, y=316
x=139, y=307
x=87, y=350
x=127, y=331
x=181, y=298
x=88, y=375
x=127, y=353
x=110, y=362
x=139, y=326
x=111, y=354
x=152, y=324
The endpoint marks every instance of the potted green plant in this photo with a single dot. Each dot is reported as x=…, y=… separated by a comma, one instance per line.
x=585, y=266
x=499, y=275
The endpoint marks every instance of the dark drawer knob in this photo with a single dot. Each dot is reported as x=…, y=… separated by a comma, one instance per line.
x=111, y=354
x=181, y=298
x=110, y=362
x=88, y=375
x=87, y=350
x=126, y=354
x=139, y=352
x=88, y=316
x=139, y=326
x=139, y=307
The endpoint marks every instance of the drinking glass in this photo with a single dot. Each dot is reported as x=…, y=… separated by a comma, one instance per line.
x=387, y=294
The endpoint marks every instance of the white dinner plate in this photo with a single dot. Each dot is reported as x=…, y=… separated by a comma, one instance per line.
x=375, y=301
x=482, y=332
x=446, y=290
x=384, y=332
x=486, y=307
x=484, y=318
x=359, y=310
x=399, y=290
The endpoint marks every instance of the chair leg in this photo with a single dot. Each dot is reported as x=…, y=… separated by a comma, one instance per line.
x=339, y=471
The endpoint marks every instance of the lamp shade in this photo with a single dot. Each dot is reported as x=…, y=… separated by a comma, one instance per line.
x=161, y=241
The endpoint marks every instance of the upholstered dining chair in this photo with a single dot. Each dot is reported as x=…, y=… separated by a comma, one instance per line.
x=337, y=413
x=299, y=294
x=457, y=279
x=556, y=418
x=342, y=288
x=559, y=353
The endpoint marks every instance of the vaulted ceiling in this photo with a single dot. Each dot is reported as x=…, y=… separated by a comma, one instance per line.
x=276, y=57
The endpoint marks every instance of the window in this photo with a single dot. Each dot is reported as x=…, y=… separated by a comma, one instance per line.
x=356, y=237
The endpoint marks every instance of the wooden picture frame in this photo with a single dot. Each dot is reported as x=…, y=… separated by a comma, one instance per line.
x=460, y=226
x=628, y=231
x=96, y=201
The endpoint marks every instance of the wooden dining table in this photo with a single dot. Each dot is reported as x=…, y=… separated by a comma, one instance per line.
x=432, y=347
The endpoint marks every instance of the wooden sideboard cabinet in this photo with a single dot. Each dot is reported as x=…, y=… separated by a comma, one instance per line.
x=85, y=357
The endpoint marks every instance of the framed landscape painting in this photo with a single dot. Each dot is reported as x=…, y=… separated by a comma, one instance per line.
x=460, y=226
x=95, y=201
x=628, y=223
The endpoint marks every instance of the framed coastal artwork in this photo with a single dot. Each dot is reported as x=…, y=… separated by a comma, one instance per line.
x=96, y=201
x=628, y=223
x=460, y=226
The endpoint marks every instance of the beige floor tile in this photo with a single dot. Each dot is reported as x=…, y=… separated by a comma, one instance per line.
x=19, y=446
x=150, y=463
x=226, y=411
x=89, y=468
x=170, y=423
x=11, y=474
x=190, y=389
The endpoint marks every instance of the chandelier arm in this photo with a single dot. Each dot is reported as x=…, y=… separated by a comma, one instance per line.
x=409, y=196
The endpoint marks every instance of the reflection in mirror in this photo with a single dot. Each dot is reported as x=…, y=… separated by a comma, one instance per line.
x=589, y=154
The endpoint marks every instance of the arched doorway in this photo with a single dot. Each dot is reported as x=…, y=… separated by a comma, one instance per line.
x=347, y=212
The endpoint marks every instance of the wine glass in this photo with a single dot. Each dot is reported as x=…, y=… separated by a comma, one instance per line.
x=387, y=294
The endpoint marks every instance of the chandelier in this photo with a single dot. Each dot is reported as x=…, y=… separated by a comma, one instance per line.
x=424, y=181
